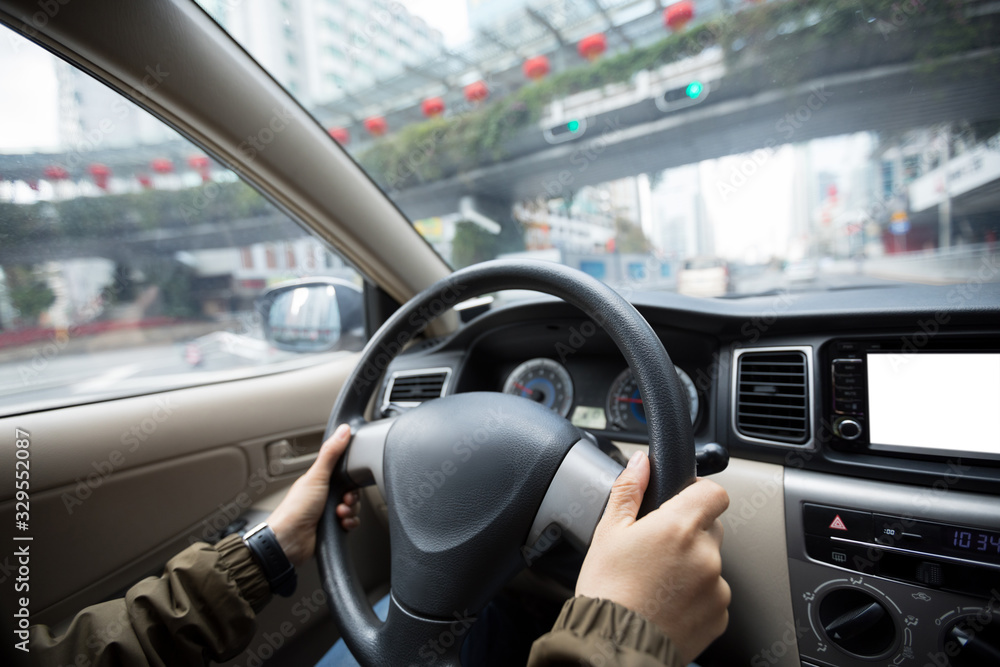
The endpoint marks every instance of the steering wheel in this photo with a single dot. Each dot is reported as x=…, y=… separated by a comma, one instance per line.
x=476, y=482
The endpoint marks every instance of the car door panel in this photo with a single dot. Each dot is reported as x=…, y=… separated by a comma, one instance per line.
x=110, y=503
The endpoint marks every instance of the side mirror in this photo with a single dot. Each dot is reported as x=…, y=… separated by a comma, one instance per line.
x=314, y=315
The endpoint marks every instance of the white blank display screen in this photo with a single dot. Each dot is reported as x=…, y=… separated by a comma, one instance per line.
x=937, y=401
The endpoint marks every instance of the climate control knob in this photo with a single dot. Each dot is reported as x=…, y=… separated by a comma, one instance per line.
x=973, y=640
x=857, y=623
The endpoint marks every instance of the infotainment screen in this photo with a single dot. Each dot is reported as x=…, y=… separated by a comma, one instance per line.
x=928, y=400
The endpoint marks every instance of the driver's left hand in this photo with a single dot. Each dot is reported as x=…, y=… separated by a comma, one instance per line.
x=294, y=520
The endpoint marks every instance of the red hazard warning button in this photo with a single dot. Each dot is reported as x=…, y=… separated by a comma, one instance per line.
x=837, y=522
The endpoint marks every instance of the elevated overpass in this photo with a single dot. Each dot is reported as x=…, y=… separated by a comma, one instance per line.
x=747, y=105
x=744, y=111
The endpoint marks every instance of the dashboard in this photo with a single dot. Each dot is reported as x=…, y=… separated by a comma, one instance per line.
x=878, y=408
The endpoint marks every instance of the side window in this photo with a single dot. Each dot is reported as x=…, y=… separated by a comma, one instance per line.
x=130, y=261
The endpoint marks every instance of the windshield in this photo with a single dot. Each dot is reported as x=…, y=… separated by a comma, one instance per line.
x=710, y=147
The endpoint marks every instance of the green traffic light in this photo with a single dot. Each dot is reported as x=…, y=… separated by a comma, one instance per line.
x=573, y=125
x=694, y=90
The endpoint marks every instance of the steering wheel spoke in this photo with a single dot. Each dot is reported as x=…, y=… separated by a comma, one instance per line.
x=575, y=500
x=363, y=461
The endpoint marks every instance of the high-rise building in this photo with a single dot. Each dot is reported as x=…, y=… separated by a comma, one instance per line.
x=319, y=49
x=94, y=117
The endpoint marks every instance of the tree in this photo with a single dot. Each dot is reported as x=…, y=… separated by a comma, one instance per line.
x=122, y=288
x=29, y=293
x=629, y=237
x=473, y=244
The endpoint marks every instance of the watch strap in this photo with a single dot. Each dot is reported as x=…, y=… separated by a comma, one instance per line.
x=278, y=570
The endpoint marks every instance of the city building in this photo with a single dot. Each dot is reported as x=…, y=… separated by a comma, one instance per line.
x=319, y=49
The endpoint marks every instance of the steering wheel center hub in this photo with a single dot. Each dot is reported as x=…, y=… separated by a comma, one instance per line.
x=464, y=477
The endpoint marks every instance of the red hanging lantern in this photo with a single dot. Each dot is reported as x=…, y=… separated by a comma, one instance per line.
x=202, y=165
x=432, y=107
x=376, y=126
x=677, y=15
x=55, y=173
x=101, y=173
x=340, y=135
x=477, y=92
x=592, y=46
x=162, y=165
x=536, y=68
x=144, y=180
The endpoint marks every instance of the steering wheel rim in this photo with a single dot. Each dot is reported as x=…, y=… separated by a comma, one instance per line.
x=404, y=634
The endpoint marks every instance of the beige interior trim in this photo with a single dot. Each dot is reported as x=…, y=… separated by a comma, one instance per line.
x=212, y=91
x=191, y=468
x=754, y=563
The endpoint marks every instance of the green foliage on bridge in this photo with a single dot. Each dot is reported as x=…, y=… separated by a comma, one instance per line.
x=789, y=35
x=111, y=216
x=28, y=292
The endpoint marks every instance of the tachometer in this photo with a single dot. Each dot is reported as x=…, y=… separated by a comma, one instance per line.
x=625, y=410
x=543, y=381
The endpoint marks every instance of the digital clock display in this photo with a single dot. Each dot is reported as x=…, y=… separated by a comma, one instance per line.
x=965, y=542
x=970, y=542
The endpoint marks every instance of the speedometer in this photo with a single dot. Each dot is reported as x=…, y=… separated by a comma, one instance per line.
x=625, y=410
x=543, y=381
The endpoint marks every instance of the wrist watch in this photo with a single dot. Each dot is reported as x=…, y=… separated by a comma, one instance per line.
x=278, y=570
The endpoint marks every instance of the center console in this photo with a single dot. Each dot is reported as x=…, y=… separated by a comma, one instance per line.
x=882, y=575
x=893, y=396
x=890, y=573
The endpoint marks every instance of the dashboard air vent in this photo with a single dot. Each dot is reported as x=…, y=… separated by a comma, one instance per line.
x=772, y=396
x=413, y=387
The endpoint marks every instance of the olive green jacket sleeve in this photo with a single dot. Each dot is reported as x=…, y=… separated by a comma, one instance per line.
x=202, y=607
x=601, y=632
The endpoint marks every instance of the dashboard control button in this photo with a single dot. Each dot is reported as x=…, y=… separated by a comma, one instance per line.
x=849, y=394
x=840, y=380
x=848, y=429
x=822, y=520
x=930, y=574
x=853, y=407
x=895, y=531
x=842, y=554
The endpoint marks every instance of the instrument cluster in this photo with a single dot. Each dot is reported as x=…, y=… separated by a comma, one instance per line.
x=549, y=383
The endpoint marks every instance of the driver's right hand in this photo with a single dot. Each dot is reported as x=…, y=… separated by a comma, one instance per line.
x=666, y=566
